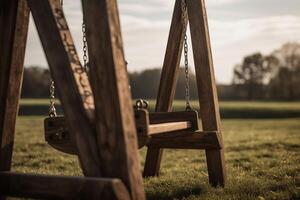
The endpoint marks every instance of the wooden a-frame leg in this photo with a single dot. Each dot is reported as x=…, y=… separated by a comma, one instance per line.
x=168, y=82
x=115, y=125
x=14, y=18
x=71, y=82
x=207, y=91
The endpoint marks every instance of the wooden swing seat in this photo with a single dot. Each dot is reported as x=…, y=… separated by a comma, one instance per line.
x=147, y=126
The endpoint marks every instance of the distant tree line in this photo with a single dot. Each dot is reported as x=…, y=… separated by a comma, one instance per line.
x=142, y=84
x=269, y=77
x=258, y=77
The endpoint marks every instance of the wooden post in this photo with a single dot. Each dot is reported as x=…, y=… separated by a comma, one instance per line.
x=71, y=82
x=207, y=91
x=14, y=18
x=115, y=125
x=168, y=82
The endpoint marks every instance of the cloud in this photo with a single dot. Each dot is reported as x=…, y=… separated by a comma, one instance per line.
x=221, y=2
x=145, y=27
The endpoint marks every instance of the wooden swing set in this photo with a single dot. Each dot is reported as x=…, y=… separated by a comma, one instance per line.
x=100, y=125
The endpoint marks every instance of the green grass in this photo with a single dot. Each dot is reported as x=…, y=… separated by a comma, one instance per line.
x=262, y=158
x=230, y=109
x=179, y=104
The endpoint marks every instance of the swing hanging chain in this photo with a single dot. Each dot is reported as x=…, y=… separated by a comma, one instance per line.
x=52, y=109
x=186, y=57
x=85, y=50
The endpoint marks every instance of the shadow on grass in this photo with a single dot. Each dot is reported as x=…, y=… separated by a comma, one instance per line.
x=179, y=193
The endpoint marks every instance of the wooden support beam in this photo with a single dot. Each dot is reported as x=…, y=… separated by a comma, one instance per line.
x=115, y=125
x=14, y=18
x=185, y=140
x=71, y=82
x=168, y=82
x=207, y=91
x=59, y=187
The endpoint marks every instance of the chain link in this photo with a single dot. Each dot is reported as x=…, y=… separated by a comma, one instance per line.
x=61, y=2
x=52, y=109
x=85, y=48
x=186, y=57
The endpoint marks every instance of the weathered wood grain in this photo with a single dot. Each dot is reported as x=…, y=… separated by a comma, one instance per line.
x=206, y=84
x=168, y=82
x=14, y=18
x=70, y=79
x=58, y=135
x=142, y=126
x=185, y=140
x=115, y=125
x=59, y=187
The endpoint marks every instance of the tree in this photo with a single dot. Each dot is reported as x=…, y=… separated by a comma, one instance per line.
x=35, y=82
x=253, y=74
x=285, y=83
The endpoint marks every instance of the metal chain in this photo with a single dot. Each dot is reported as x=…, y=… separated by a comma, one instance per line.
x=52, y=109
x=186, y=57
x=85, y=48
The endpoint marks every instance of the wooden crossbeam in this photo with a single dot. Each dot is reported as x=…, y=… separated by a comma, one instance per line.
x=59, y=187
x=115, y=125
x=186, y=140
x=14, y=18
x=71, y=82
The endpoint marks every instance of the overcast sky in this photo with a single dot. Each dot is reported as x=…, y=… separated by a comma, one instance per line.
x=237, y=28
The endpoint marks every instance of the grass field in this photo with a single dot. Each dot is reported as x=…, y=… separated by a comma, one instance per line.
x=228, y=109
x=262, y=156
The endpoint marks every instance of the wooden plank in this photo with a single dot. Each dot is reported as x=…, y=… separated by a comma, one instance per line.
x=207, y=91
x=115, y=125
x=58, y=187
x=14, y=18
x=168, y=127
x=185, y=140
x=168, y=82
x=164, y=117
x=71, y=81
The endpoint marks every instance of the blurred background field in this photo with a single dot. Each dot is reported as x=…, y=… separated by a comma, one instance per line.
x=228, y=109
x=262, y=149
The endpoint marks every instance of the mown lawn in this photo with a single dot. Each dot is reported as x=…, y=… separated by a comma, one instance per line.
x=262, y=156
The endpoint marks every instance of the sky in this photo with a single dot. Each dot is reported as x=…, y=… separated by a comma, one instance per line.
x=237, y=28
